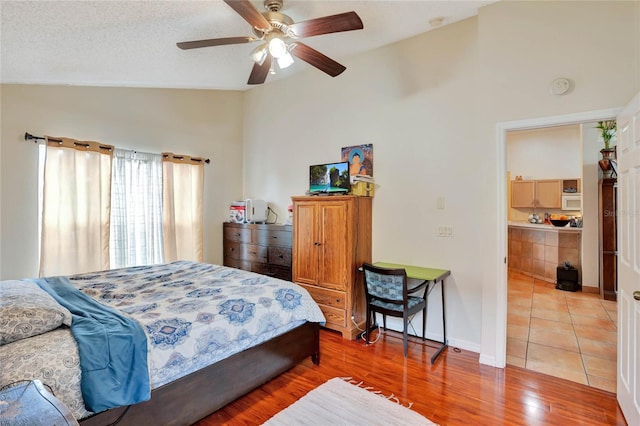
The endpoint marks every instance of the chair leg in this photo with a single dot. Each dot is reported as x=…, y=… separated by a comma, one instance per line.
x=384, y=322
x=367, y=326
x=405, y=335
x=424, y=322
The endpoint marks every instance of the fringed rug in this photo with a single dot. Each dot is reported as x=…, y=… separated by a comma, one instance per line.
x=338, y=402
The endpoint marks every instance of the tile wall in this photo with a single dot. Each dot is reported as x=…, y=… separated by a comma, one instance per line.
x=538, y=252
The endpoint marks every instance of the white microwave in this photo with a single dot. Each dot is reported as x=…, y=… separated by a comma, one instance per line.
x=571, y=202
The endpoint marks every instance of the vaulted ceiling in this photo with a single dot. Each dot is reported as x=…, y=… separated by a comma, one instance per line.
x=133, y=43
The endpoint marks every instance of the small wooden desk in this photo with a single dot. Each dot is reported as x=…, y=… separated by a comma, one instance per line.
x=432, y=277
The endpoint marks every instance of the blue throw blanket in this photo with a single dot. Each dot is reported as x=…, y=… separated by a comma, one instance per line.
x=112, y=348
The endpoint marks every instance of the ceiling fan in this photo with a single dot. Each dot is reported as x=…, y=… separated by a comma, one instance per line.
x=279, y=35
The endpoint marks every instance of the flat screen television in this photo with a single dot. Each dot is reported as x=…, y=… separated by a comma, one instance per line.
x=329, y=178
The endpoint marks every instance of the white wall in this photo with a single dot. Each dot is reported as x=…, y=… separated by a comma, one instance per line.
x=591, y=146
x=548, y=153
x=430, y=106
x=199, y=123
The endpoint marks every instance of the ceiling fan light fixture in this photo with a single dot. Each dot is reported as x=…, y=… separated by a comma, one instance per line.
x=285, y=60
x=260, y=53
x=277, y=47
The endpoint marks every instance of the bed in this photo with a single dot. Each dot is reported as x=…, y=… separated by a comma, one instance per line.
x=212, y=334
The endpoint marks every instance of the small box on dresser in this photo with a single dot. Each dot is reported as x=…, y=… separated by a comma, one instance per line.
x=261, y=248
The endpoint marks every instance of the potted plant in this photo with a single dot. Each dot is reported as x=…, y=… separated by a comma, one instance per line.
x=607, y=132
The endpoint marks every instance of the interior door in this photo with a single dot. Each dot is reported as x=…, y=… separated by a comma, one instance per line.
x=628, y=147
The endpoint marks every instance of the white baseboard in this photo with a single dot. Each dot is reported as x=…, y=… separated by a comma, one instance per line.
x=488, y=360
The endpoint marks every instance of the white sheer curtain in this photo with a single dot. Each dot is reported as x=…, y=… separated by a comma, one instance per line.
x=136, y=209
x=76, y=204
x=182, y=214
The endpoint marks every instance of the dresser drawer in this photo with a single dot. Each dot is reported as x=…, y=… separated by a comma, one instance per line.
x=232, y=250
x=333, y=298
x=248, y=252
x=274, y=271
x=254, y=253
x=240, y=235
x=335, y=317
x=279, y=255
x=271, y=237
x=237, y=263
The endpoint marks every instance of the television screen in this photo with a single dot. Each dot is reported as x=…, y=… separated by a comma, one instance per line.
x=329, y=178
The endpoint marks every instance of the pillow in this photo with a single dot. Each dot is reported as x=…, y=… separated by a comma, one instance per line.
x=27, y=310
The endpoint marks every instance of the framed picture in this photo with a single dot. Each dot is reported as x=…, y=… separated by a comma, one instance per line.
x=360, y=158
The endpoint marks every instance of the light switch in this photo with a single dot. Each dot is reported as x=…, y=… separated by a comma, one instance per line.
x=440, y=203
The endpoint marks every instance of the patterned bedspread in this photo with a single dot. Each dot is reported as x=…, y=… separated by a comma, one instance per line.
x=195, y=314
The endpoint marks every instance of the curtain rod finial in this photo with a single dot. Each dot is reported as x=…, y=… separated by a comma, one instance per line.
x=29, y=136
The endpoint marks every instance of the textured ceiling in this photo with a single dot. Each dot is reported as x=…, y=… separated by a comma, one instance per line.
x=133, y=43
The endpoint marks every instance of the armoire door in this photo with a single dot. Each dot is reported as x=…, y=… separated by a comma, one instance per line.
x=333, y=250
x=305, y=243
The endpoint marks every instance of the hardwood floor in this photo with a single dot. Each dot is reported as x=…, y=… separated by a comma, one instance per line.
x=457, y=390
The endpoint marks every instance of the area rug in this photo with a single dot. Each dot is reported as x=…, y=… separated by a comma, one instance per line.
x=338, y=402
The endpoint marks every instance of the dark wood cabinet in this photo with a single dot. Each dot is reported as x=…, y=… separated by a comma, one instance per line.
x=608, y=247
x=261, y=248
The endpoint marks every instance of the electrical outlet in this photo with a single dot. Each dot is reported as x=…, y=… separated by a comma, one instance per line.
x=445, y=231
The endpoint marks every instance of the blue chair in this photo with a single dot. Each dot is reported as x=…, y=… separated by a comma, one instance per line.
x=387, y=293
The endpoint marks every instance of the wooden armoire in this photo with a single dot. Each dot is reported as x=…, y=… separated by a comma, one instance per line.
x=331, y=240
x=608, y=248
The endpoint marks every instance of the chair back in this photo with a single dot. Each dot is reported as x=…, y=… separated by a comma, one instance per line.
x=386, y=284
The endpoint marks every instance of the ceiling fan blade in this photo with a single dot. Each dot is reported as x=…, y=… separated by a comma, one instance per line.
x=259, y=72
x=317, y=59
x=328, y=24
x=250, y=14
x=214, y=42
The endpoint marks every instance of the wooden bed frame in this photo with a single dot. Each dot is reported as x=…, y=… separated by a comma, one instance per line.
x=195, y=396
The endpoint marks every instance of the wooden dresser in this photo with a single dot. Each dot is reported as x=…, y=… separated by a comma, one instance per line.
x=261, y=248
x=331, y=240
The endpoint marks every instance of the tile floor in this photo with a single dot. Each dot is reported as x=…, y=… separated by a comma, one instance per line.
x=561, y=333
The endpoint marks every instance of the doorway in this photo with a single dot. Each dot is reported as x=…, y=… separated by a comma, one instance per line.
x=545, y=290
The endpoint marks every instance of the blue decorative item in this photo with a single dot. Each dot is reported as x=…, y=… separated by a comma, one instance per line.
x=168, y=333
x=288, y=298
x=237, y=311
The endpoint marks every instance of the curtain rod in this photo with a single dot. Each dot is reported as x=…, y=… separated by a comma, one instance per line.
x=29, y=136
x=181, y=157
